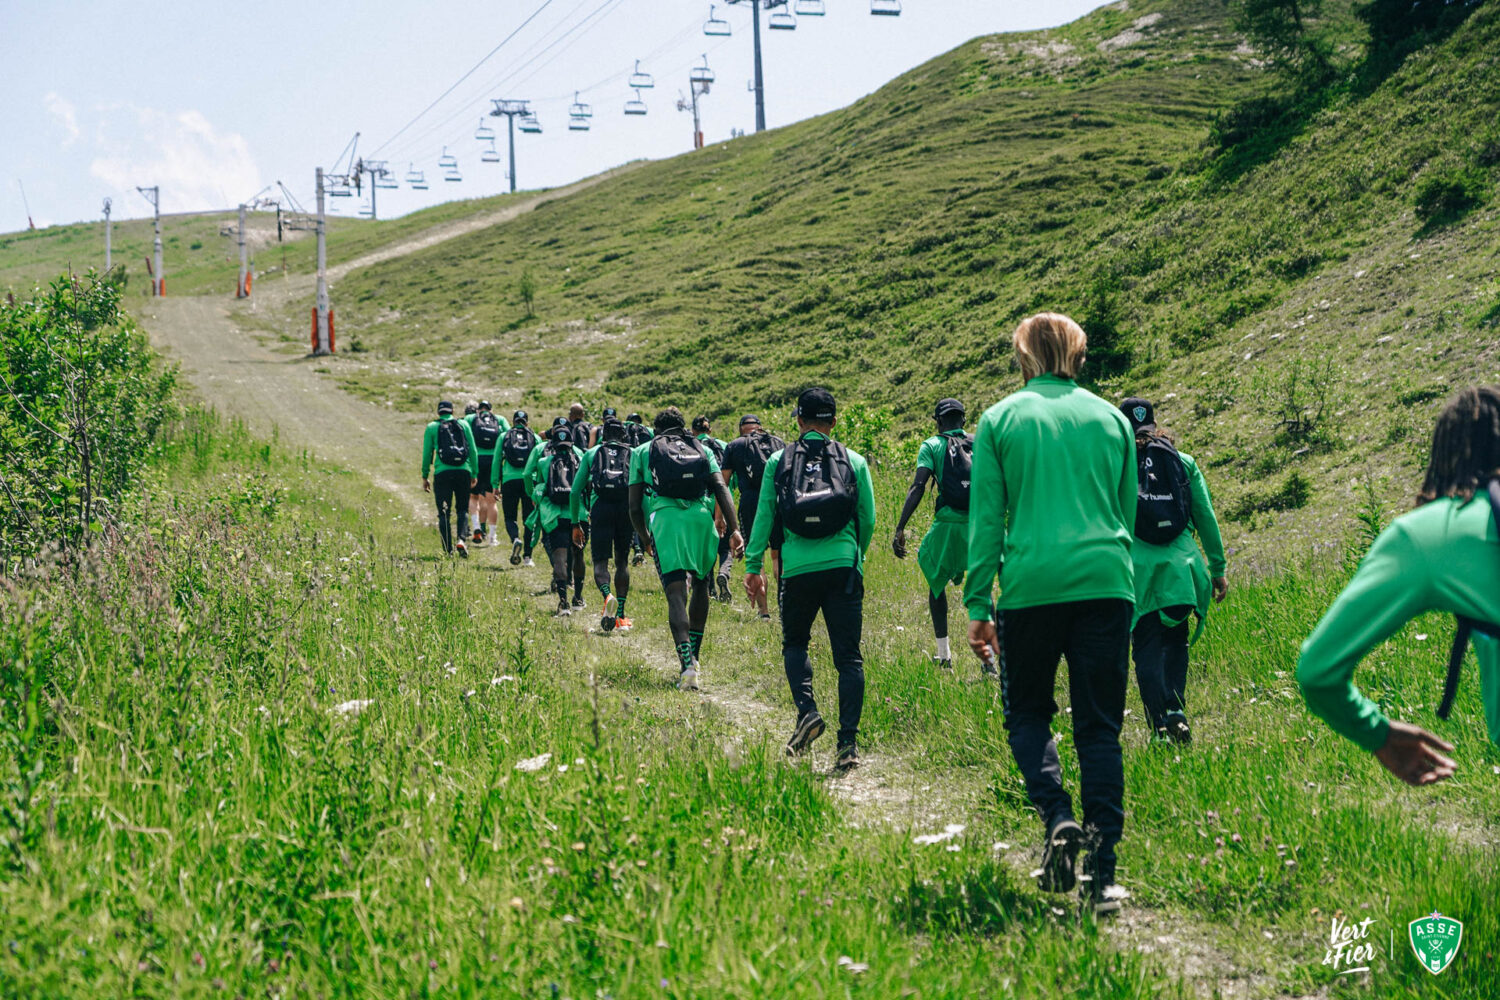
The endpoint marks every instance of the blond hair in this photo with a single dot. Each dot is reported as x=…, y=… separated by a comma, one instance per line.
x=1049, y=344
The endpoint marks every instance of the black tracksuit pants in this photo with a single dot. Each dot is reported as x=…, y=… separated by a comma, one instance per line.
x=513, y=495
x=451, y=490
x=1094, y=637
x=1161, y=662
x=840, y=595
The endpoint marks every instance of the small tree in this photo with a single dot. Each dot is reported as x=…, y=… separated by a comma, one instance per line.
x=526, y=288
x=1282, y=29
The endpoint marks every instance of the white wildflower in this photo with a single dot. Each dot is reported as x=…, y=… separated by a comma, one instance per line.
x=534, y=763
x=353, y=707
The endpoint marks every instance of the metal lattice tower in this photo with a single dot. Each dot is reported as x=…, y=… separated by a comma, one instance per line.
x=158, y=279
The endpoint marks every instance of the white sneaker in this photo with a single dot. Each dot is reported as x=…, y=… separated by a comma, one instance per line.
x=688, y=679
x=528, y=561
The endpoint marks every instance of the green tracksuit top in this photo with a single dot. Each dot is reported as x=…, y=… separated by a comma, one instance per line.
x=808, y=555
x=430, y=455
x=1174, y=574
x=1052, y=500
x=1443, y=556
x=504, y=471
x=537, y=467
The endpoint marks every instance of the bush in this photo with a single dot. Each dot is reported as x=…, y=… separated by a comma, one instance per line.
x=1445, y=195
x=1294, y=492
x=82, y=405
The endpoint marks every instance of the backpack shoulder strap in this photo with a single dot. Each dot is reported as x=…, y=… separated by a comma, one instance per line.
x=1466, y=626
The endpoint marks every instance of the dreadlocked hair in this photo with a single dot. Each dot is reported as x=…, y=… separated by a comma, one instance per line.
x=1465, y=446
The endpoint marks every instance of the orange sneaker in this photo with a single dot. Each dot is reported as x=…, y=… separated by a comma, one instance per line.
x=621, y=624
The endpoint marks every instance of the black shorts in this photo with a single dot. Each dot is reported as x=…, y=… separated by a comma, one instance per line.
x=486, y=469
x=612, y=530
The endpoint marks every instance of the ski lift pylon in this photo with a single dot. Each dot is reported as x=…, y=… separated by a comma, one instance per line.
x=782, y=20
x=640, y=80
x=715, y=25
x=635, y=106
x=890, y=8
x=702, y=74
x=579, y=109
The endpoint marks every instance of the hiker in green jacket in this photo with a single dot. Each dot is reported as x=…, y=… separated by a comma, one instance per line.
x=636, y=434
x=703, y=431
x=674, y=488
x=821, y=494
x=488, y=428
x=601, y=496
x=1054, y=499
x=1443, y=556
x=944, y=553
x=549, y=478
x=1172, y=581
x=449, y=444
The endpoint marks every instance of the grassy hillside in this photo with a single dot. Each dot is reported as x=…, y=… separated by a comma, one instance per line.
x=201, y=250
x=1299, y=297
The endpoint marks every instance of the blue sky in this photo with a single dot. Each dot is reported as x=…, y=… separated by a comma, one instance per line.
x=214, y=100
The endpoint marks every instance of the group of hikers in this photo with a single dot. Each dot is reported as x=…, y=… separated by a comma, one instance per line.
x=1101, y=533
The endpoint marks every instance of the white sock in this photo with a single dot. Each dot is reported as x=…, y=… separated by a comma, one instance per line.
x=942, y=652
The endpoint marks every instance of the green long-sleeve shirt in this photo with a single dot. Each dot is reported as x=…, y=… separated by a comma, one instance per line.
x=1175, y=574
x=808, y=555
x=1443, y=556
x=429, y=450
x=537, y=467
x=1052, y=500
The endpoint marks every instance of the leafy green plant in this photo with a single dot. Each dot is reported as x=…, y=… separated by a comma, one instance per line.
x=1299, y=395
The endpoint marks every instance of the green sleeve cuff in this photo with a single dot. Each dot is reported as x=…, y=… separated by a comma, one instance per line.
x=981, y=611
x=1217, y=568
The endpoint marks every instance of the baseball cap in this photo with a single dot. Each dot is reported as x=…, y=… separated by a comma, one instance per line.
x=816, y=404
x=519, y=417
x=470, y=408
x=609, y=412
x=559, y=421
x=560, y=432
x=634, y=418
x=445, y=407
x=1139, y=412
x=484, y=404
x=947, y=406
x=749, y=418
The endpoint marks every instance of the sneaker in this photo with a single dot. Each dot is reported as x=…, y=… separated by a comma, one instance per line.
x=637, y=558
x=494, y=538
x=943, y=662
x=608, y=620
x=809, y=728
x=515, y=552
x=1099, y=890
x=579, y=602
x=623, y=624
x=990, y=669
x=765, y=616
x=478, y=535
x=688, y=680
x=563, y=609
x=1178, y=730
x=463, y=550
x=528, y=561
x=847, y=759
x=724, y=594
x=1108, y=899
x=1060, y=857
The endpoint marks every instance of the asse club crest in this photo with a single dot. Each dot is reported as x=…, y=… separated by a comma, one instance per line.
x=1435, y=939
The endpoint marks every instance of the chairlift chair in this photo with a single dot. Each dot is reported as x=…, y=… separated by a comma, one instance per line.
x=809, y=8
x=890, y=8
x=340, y=191
x=715, y=25
x=579, y=109
x=416, y=179
x=641, y=80
x=782, y=20
x=448, y=161
x=702, y=74
x=578, y=123
x=636, y=106
x=490, y=154
x=530, y=125
x=453, y=176
x=484, y=133
x=386, y=180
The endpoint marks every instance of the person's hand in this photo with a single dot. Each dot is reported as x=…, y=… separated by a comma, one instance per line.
x=648, y=545
x=755, y=585
x=1411, y=754
x=737, y=544
x=1221, y=589
x=577, y=536
x=984, y=641
x=898, y=543
x=427, y=486
x=473, y=482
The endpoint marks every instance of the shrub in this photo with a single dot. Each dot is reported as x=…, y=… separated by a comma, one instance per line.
x=1446, y=194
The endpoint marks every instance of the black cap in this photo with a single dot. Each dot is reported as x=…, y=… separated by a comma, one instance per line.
x=947, y=406
x=816, y=404
x=634, y=418
x=612, y=429
x=484, y=404
x=609, y=411
x=560, y=433
x=445, y=407
x=559, y=421
x=749, y=418
x=1139, y=412
x=519, y=417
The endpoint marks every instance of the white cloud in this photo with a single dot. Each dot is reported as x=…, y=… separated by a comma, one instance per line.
x=66, y=115
x=197, y=167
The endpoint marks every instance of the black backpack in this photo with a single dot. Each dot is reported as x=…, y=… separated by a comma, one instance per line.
x=518, y=445
x=486, y=430
x=760, y=446
x=1468, y=626
x=610, y=476
x=581, y=431
x=1163, y=502
x=561, y=472
x=679, y=465
x=958, y=470
x=452, y=446
x=713, y=445
x=637, y=434
x=816, y=494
